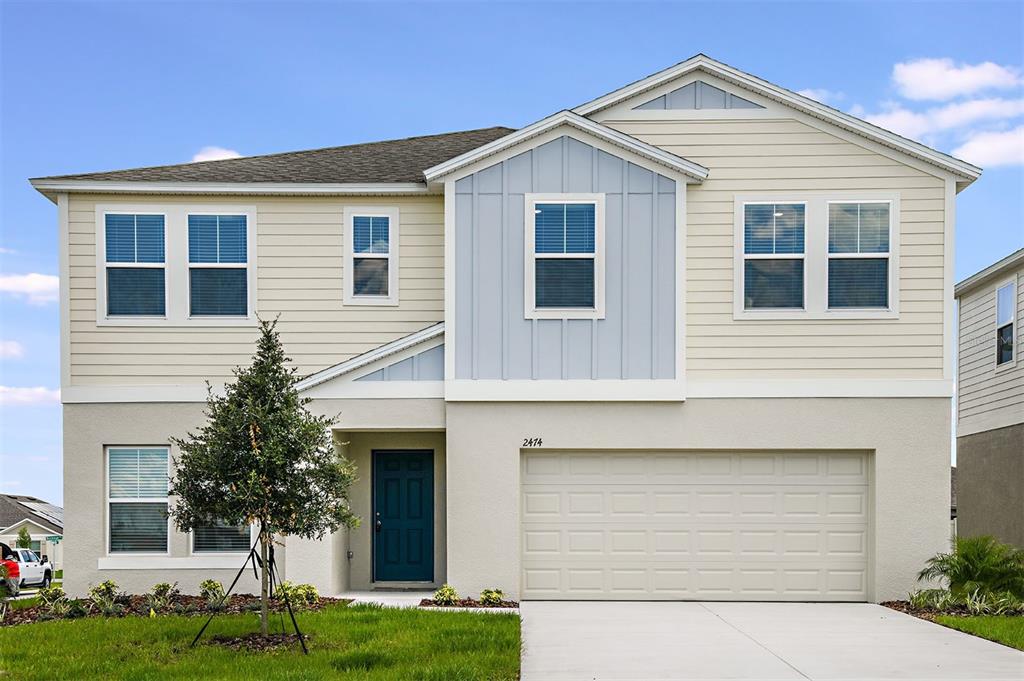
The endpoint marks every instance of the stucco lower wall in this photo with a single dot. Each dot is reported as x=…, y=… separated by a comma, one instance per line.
x=990, y=484
x=88, y=428
x=908, y=441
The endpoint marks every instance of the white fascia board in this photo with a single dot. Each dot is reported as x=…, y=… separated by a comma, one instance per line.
x=250, y=188
x=744, y=80
x=372, y=356
x=993, y=271
x=691, y=170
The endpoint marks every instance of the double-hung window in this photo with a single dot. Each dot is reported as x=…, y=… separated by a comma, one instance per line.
x=371, y=261
x=220, y=537
x=134, y=255
x=217, y=266
x=137, y=480
x=858, y=254
x=773, y=255
x=1006, y=316
x=564, y=256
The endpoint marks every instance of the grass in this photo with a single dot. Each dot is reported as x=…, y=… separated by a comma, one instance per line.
x=59, y=574
x=1008, y=630
x=364, y=642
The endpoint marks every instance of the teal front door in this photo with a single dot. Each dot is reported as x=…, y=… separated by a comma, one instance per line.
x=403, y=516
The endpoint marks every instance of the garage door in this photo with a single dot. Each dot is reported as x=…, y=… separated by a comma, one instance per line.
x=695, y=525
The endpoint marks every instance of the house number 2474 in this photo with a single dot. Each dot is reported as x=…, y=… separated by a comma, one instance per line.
x=532, y=442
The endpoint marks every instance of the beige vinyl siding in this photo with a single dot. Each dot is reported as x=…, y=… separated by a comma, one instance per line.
x=988, y=397
x=781, y=154
x=300, y=271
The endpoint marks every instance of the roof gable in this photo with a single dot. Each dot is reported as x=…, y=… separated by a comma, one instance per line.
x=567, y=119
x=700, y=63
x=697, y=95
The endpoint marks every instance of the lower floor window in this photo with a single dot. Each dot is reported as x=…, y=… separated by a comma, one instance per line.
x=137, y=480
x=221, y=538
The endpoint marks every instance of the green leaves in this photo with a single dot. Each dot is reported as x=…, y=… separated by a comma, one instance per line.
x=978, y=564
x=262, y=457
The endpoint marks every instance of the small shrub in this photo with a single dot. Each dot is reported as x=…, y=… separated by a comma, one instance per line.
x=446, y=595
x=75, y=609
x=161, y=596
x=108, y=599
x=492, y=596
x=299, y=595
x=212, y=592
x=5, y=592
x=51, y=594
x=978, y=563
x=253, y=606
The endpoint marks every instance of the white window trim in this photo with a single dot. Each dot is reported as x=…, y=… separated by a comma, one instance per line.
x=151, y=500
x=192, y=545
x=394, y=231
x=816, y=255
x=250, y=281
x=530, y=309
x=176, y=265
x=1012, y=362
x=802, y=257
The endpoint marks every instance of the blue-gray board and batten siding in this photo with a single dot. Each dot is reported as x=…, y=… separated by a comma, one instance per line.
x=635, y=340
x=423, y=366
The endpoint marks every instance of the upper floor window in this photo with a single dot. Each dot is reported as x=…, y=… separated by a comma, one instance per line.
x=816, y=255
x=137, y=480
x=773, y=255
x=858, y=255
x=371, y=256
x=1006, y=315
x=134, y=265
x=564, y=256
x=217, y=273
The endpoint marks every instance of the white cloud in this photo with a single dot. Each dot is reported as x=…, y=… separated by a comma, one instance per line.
x=11, y=349
x=948, y=117
x=214, y=154
x=822, y=95
x=944, y=79
x=37, y=288
x=1000, y=148
x=28, y=396
x=7, y=251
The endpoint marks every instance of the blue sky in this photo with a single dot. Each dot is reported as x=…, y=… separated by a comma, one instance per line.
x=94, y=86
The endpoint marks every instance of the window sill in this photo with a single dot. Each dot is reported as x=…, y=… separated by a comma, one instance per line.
x=159, y=562
x=187, y=321
x=373, y=301
x=564, y=313
x=805, y=315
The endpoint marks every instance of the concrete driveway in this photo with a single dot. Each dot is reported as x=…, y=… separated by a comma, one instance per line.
x=611, y=640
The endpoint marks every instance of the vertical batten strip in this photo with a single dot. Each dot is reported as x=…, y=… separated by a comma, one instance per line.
x=623, y=315
x=654, y=274
x=474, y=249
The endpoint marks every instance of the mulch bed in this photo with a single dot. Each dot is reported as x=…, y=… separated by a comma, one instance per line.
x=136, y=606
x=257, y=643
x=907, y=609
x=467, y=603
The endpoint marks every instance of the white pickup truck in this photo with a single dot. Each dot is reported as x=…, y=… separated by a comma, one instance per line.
x=34, y=571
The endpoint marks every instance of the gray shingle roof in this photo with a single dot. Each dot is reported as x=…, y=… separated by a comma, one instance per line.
x=402, y=160
x=16, y=507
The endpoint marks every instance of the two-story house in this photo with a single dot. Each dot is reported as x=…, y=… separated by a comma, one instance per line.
x=689, y=340
x=990, y=402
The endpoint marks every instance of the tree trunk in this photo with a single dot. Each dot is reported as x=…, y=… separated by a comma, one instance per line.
x=264, y=581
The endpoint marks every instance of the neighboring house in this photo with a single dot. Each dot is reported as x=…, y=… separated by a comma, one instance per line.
x=990, y=402
x=689, y=340
x=44, y=522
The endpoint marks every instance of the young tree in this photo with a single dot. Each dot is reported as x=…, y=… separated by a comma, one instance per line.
x=262, y=458
x=24, y=541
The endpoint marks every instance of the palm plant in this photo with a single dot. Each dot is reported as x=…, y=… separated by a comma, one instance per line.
x=978, y=564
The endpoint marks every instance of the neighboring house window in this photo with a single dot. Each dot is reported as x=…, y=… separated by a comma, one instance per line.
x=36, y=546
x=371, y=261
x=221, y=538
x=217, y=272
x=564, y=256
x=135, y=274
x=1006, y=308
x=137, y=499
x=858, y=255
x=773, y=255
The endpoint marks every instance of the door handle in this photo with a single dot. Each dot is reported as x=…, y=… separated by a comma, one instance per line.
x=376, y=526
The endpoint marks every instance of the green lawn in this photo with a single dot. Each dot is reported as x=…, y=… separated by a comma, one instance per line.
x=1002, y=629
x=59, y=574
x=356, y=642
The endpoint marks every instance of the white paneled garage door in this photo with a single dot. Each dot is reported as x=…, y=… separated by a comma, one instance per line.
x=695, y=525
